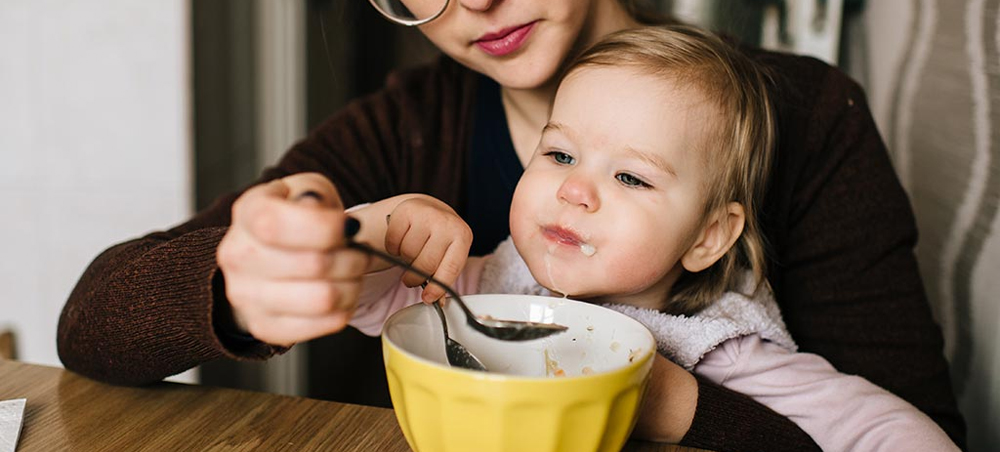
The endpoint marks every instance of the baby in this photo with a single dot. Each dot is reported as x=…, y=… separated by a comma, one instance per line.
x=642, y=195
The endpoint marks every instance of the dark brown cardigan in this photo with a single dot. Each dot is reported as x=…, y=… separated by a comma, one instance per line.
x=840, y=229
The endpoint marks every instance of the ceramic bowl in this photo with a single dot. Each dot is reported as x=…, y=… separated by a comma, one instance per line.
x=577, y=391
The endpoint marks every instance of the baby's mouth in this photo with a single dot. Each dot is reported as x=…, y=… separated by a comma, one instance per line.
x=568, y=237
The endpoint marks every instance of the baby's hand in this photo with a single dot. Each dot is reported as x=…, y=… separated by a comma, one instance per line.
x=428, y=233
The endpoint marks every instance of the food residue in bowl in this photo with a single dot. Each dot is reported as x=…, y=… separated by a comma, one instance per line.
x=633, y=354
x=615, y=346
x=552, y=368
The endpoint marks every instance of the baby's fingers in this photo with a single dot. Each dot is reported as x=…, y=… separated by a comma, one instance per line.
x=448, y=270
x=430, y=252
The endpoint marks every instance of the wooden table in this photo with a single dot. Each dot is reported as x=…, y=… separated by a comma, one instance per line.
x=67, y=412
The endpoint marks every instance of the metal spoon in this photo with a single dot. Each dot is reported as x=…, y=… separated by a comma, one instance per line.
x=458, y=355
x=505, y=330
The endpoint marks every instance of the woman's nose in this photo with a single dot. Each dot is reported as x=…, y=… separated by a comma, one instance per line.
x=478, y=5
x=579, y=190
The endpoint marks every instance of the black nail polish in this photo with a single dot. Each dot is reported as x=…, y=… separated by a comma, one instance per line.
x=351, y=227
x=310, y=194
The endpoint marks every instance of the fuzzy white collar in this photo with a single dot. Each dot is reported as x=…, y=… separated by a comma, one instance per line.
x=682, y=339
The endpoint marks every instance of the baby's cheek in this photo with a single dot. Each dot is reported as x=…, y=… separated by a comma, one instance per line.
x=629, y=274
x=521, y=215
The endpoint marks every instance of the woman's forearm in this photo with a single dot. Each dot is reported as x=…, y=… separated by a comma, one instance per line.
x=669, y=405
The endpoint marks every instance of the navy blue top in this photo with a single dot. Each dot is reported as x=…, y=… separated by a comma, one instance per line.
x=494, y=170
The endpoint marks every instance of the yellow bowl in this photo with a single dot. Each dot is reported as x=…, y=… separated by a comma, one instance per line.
x=576, y=391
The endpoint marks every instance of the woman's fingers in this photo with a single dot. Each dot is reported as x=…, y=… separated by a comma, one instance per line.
x=246, y=255
x=282, y=213
x=307, y=298
x=312, y=188
x=284, y=261
x=263, y=304
x=276, y=222
x=287, y=331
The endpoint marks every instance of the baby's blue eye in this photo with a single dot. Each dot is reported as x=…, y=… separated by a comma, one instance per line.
x=630, y=180
x=561, y=157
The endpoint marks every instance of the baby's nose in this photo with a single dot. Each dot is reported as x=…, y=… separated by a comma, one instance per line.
x=579, y=190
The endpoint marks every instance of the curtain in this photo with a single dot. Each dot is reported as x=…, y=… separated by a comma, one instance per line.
x=935, y=88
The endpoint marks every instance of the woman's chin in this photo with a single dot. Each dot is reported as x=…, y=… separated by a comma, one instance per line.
x=523, y=73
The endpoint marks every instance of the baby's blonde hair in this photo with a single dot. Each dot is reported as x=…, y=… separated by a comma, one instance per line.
x=739, y=154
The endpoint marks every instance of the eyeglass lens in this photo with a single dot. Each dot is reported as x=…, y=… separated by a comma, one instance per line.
x=412, y=12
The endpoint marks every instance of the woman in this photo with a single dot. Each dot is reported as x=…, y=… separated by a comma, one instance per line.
x=259, y=271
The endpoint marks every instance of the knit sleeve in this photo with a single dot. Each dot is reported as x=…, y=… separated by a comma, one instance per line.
x=727, y=421
x=143, y=310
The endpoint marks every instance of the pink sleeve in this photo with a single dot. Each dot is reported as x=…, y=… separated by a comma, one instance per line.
x=382, y=294
x=841, y=412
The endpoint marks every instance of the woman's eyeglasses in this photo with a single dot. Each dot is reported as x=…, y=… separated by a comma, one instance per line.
x=412, y=13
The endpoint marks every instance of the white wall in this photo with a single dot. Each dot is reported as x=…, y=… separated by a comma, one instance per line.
x=95, y=144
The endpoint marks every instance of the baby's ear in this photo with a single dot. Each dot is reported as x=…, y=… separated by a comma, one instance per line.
x=720, y=232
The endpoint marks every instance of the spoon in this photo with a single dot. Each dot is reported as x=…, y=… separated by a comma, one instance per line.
x=505, y=330
x=458, y=355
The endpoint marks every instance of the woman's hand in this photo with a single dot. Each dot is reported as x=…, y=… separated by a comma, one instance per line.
x=289, y=277
x=429, y=234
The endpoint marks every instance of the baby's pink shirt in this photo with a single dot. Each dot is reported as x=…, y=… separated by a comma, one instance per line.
x=382, y=294
x=840, y=412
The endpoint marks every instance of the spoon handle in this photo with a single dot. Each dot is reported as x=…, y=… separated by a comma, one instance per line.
x=397, y=261
x=457, y=354
x=444, y=322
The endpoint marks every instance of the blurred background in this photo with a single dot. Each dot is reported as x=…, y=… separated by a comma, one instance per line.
x=118, y=117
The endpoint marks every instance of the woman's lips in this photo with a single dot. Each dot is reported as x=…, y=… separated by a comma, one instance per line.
x=505, y=41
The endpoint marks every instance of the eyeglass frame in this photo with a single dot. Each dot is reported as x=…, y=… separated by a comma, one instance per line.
x=409, y=22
